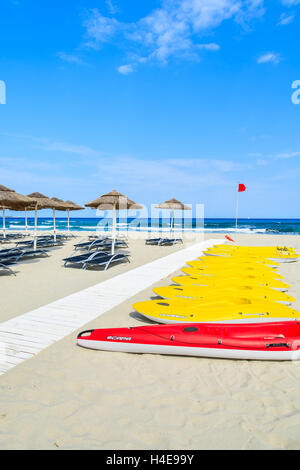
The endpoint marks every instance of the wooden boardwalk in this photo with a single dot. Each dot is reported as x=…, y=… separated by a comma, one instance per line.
x=25, y=336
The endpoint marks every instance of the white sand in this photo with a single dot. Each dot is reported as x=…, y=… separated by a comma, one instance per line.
x=71, y=398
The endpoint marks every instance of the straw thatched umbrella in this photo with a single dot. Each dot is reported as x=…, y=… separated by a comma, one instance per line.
x=66, y=206
x=9, y=199
x=72, y=207
x=114, y=201
x=173, y=205
x=42, y=202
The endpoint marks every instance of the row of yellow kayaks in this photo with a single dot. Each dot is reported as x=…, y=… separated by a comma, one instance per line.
x=279, y=254
x=234, y=284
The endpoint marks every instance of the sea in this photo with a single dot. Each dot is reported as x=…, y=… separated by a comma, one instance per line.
x=263, y=226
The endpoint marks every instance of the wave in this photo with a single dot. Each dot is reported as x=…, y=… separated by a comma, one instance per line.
x=246, y=226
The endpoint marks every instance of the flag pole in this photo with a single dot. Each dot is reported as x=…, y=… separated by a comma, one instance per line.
x=237, y=211
x=241, y=188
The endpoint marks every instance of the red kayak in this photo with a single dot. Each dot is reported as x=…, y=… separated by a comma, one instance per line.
x=260, y=341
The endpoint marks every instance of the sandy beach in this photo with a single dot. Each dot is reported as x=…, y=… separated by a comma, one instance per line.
x=71, y=398
x=113, y=125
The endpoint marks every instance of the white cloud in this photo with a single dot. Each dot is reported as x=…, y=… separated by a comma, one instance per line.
x=289, y=155
x=125, y=69
x=285, y=19
x=255, y=154
x=55, y=146
x=100, y=28
x=72, y=59
x=26, y=177
x=151, y=174
x=261, y=162
x=269, y=57
x=264, y=159
x=290, y=3
x=173, y=29
x=209, y=47
x=112, y=7
x=70, y=148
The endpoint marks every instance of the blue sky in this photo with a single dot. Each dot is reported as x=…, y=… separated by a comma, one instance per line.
x=157, y=99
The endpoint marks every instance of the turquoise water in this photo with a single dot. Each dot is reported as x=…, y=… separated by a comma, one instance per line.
x=267, y=226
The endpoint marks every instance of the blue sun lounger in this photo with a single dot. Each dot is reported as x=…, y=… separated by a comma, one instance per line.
x=4, y=265
x=105, y=244
x=22, y=254
x=106, y=261
x=97, y=258
x=163, y=241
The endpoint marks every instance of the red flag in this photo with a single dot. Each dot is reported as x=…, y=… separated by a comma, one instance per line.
x=228, y=238
x=242, y=188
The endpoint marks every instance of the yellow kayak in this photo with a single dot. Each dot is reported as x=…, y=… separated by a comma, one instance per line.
x=232, y=273
x=182, y=311
x=230, y=282
x=262, y=253
x=228, y=261
x=229, y=278
x=270, y=252
x=221, y=263
x=233, y=267
x=274, y=257
x=206, y=293
x=252, y=250
x=281, y=249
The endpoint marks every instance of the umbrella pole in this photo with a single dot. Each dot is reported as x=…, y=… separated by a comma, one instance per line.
x=114, y=230
x=68, y=221
x=4, y=227
x=26, y=221
x=54, y=225
x=35, y=229
x=172, y=221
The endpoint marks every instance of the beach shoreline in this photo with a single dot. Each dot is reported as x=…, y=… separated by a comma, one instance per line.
x=70, y=398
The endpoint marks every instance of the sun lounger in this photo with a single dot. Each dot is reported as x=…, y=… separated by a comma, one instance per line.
x=171, y=241
x=20, y=254
x=106, y=261
x=33, y=253
x=100, y=244
x=4, y=265
x=11, y=254
x=118, y=245
x=152, y=241
x=88, y=245
x=8, y=251
x=41, y=243
x=95, y=259
x=10, y=236
x=163, y=241
x=81, y=259
x=99, y=237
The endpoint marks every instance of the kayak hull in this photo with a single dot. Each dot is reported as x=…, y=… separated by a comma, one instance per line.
x=183, y=311
x=218, y=274
x=266, y=257
x=254, y=342
x=218, y=284
x=214, y=261
x=191, y=351
x=173, y=320
x=206, y=296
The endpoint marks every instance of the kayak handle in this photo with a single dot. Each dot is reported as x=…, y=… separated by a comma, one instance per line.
x=278, y=345
x=85, y=333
